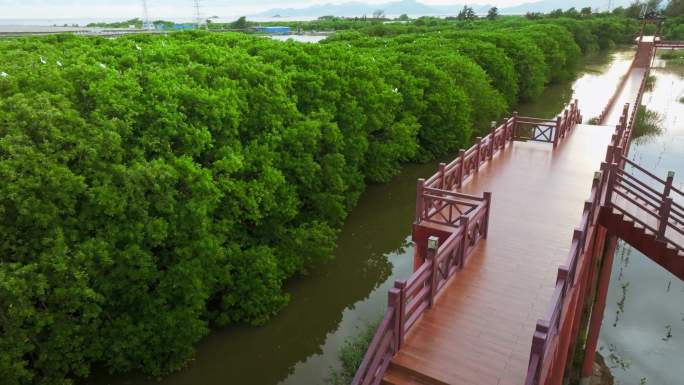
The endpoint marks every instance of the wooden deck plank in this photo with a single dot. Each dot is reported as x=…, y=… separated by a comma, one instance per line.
x=480, y=329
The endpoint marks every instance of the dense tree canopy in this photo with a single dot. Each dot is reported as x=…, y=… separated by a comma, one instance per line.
x=154, y=186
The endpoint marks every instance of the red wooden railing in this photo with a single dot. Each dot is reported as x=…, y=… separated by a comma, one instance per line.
x=554, y=336
x=550, y=131
x=467, y=217
x=647, y=200
x=410, y=298
x=670, y=44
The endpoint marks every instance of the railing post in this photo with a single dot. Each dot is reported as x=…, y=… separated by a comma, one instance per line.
x=420, y=187
x=432, y=246
x=668, y=184
x=566, y=123
x=488, y=207
x=492, y=143
x=625, y=109
x=393, y=303
x=401, y=286
x=664, y=211
x=620, y=128
x=556, y=131
x=477, y=153
x=463, y=222
x=596, y=185
x=515, y=125
x=442, y=176
x=539, y=346
x=461, y=154
x=664, y=214
x=617, y=155
x=505, y=134
x=612, y=178
x=609, y=153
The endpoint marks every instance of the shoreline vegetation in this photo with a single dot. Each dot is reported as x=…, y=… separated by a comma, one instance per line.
x=648, y=124
x=351, y=354
x=155, y=187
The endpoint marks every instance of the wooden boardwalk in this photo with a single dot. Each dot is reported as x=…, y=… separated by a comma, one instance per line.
x=480, y=329
x=627, y=94
x=535, y=250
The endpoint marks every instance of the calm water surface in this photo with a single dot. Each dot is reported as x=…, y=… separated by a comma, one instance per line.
x=300, y=38
x=300, y=344
x=642, y=336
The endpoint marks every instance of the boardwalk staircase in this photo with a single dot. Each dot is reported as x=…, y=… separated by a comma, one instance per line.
x=647, y=212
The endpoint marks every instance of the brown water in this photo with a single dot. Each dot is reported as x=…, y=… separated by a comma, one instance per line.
x=642, y=337
x=300, y=344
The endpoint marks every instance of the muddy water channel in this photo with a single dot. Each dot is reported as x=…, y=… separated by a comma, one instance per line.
x=642, y=337
x=300, y=345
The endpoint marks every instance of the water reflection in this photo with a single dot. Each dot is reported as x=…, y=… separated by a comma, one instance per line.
x=300, y=38
x=643, y=330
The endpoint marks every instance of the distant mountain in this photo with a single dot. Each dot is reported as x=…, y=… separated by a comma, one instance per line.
x=545, y=6
x=355, y=8
x=415, y=8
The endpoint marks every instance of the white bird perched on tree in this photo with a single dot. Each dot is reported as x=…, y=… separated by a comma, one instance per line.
x=42, y=61
x=59, y=63
x=4, y=74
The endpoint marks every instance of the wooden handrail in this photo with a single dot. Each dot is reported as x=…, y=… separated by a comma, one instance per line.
x=645, y=187
x=366, y=372
x=548, y=355
x=410, y=298
x=645, y=171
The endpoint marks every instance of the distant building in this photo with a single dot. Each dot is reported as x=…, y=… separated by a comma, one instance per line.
x=274, y=30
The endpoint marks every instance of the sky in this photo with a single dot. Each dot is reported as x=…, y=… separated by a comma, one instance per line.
x=127, y=9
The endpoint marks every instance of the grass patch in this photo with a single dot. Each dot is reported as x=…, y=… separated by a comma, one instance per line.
x=351, y=354
x=681, y=100
x=648, y=123
x=672, y=55
x=650, y=83
x=594, y=120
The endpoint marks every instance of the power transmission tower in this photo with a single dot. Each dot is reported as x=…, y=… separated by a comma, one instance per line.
x=198, y=13
x=146, y=16
x=610, y=5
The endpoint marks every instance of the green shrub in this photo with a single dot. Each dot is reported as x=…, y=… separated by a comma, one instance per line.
x=155, y=186
x=351, y=354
